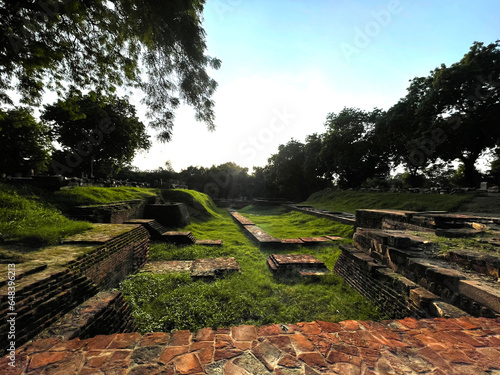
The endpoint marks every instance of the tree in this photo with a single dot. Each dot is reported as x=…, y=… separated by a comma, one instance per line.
x=24, y=142
x=157, y=46
x=349, y=152
x=455, y=112
x=98, y=134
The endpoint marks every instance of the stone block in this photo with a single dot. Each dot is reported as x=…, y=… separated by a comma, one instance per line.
x=483, y=294
x=445, y=310
x=422, y=297
x=444, y=276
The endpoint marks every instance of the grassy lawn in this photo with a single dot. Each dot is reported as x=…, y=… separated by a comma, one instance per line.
x=165, y=302
x=350, y=201
x=280, y=223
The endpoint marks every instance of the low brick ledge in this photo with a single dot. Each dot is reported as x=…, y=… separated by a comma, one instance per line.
x=439, y=346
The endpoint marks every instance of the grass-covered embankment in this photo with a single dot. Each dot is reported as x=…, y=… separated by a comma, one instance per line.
x=28, y=217
x=350, y=201
x=165, y=302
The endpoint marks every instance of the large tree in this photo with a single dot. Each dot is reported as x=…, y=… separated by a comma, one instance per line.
x=453, y=114
x=24, y=143
x=157, y=46
x=99, y=135
x=349, y=152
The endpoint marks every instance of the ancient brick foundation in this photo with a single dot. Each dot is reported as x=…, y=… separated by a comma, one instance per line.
x=45, y=295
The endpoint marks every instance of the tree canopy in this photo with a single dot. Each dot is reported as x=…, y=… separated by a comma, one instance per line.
x=24, y=142
x=157, y=46
x=97, y=133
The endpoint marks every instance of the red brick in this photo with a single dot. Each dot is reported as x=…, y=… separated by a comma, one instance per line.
x=347, y=349
x=223, y=331
x=314, y=360
x=463, y=336
x=309, y=328
x=40, y=345
x=171, y=352
x=205, y=351
x=125, y=340
x=348, y=369
x=43, y=359
x=283, y=343
x=329, y=327
x=226, y=353
x=155, y=338
x=205, y=334
x=335, y=356
x=434, y=358
x=231, y=369
x=456, y=356
x=121, y=356
x=243, y=345
x=223, y=341
x=289, y=361
x=244, y=333
x=321, y=343
x=268, y=354
x=349, y=325
x=71, y=345
x=99, y=342
x=301, y=343
x=98, y=361
x=270, y=330
x=352, y=338
x=180, y=338
x=187, y=364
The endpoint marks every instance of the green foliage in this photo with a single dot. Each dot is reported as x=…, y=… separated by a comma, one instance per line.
x=98, y=134
x=174, y=301
x=24, y=142
x=156, y=46
x=350, y=201
x=349, y=151
x=28, y=218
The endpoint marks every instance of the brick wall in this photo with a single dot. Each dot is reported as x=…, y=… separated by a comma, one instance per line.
x=107, y=265
x=42, y=298
x=105, y=313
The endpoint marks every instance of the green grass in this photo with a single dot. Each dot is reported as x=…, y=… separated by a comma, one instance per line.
x=26, y=217
x=350, y=201
x=282, y=224
x=165, y=302
x=200, y=205
x=90, y=195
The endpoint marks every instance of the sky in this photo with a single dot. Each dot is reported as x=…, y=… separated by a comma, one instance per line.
x=287, y=64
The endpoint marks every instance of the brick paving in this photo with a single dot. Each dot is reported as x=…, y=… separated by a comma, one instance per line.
x=430, y=346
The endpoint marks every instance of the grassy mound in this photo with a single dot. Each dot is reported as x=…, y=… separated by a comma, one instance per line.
x=350, y=201
x=199, y=205
x=91, y=195
x=28, y=217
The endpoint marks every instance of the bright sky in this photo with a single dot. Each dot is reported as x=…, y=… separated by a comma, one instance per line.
x=287, y=64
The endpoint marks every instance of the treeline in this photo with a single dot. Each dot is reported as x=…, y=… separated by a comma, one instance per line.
x=434, y=136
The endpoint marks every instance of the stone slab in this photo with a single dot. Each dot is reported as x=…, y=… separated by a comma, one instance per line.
x=168, y=266
x=100, y=233
x=214, y=267
x=312, y=240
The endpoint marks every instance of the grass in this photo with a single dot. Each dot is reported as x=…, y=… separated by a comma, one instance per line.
x=26, y=217
x=200, y=205
x=165, y=302
x=282, y=224
x=91, y=195
x=350, y=201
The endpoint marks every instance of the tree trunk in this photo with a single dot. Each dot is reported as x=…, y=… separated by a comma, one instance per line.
x=471, y=175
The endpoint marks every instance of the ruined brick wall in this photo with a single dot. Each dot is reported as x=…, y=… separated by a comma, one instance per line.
x=44, y=296
x=105, y=313
x=109, y=264
x=384, y=292
x=41, y=299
